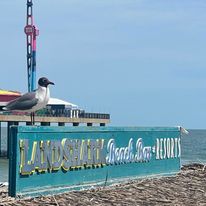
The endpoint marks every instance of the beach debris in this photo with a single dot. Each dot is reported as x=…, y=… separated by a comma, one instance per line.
x=185, y=188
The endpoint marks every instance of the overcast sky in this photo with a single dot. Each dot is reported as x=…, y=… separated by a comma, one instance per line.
x=142, y=61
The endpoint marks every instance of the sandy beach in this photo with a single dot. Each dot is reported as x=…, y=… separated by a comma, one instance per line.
x=186, y=188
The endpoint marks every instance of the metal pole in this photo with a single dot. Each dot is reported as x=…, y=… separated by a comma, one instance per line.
x=29, y=36
x=33, y=80
x=8, y=137
x=31, y=33
x=9, y=124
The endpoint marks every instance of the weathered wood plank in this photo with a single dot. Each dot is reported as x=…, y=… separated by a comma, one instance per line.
x=25, y=118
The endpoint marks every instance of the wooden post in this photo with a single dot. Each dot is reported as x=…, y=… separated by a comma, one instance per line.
x=61, y=124
x=8, y=138
x=9, y=124
x=75, y=124
x=45, y=123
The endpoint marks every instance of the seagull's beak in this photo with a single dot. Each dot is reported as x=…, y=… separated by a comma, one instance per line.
x=51, y=83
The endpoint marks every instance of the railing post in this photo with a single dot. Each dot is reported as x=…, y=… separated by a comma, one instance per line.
x=61, y=124
x=9, y=124
x=45, y=123
x=75, y=124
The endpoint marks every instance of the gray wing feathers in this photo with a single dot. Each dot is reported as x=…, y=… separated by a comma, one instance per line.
x=27, y=101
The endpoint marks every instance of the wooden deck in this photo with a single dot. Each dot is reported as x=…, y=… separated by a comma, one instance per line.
x=48, y=119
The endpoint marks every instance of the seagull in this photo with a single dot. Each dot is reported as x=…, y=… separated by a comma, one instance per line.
x=32, y=101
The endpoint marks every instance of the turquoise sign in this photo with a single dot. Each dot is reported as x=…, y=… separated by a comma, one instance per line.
x=47, y=160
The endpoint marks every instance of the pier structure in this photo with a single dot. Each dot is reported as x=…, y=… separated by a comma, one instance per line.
x=61, y=114
x=60, y=118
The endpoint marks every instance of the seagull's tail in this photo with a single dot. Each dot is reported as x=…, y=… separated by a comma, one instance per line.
x=5, y=108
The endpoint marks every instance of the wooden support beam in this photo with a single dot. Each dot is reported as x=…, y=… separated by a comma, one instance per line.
x=9, y=124
x=61, y=124
x=75, y=124
x=26, y=118
x=45, y=123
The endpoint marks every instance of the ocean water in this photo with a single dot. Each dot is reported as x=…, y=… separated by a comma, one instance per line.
x=193, y=150
x=194, y=147
x=3, y=170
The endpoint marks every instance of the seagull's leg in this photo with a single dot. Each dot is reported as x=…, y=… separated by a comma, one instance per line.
x=33, y=118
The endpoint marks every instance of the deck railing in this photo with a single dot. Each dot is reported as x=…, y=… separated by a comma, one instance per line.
x=62, y=113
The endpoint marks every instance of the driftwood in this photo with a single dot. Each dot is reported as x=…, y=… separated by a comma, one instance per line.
x=186, y=188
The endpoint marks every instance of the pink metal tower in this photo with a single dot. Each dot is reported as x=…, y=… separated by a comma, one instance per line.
x=31, y=33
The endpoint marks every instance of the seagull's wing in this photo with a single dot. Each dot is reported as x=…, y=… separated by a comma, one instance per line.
x=25, y=102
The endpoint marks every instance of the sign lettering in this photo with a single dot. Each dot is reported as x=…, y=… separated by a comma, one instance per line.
x=52, y=155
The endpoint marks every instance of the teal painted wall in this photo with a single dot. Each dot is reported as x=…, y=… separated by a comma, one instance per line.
x=155, y=138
